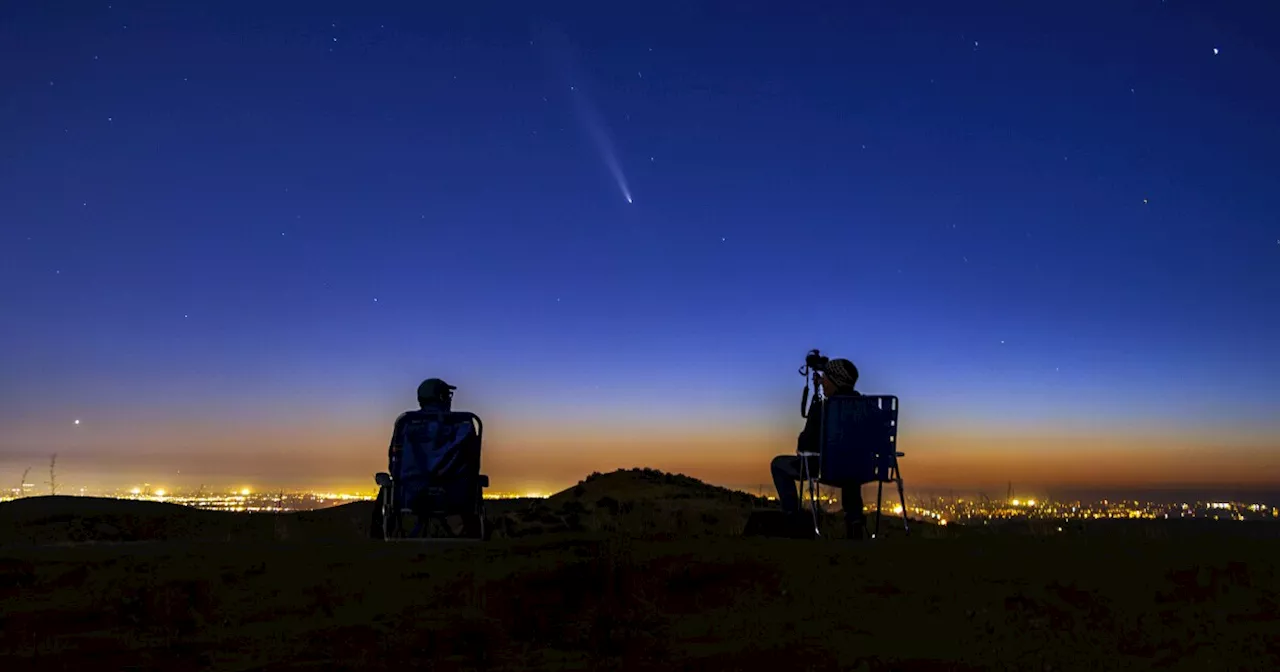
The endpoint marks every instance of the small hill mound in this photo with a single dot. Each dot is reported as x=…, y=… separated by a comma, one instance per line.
x=642, y=502
x=635, y=485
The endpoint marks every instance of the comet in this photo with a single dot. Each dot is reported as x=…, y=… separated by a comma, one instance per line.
x=555, y=45
x=599, y=134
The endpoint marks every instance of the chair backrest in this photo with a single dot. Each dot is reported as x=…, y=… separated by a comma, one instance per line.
x=438, y=446
x=438, y=468
x=859, y=438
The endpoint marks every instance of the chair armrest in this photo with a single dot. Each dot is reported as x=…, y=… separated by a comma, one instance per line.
x=899, y=454
x=807, y=454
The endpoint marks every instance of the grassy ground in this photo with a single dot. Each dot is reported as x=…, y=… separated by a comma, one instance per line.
x=627, y=571
x=613, y=602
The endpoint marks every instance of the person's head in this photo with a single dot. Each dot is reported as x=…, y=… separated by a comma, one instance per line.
x=435, y=392
x=840, y=377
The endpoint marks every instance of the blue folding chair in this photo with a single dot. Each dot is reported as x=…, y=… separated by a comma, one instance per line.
x=434, y=476
x=859, y=445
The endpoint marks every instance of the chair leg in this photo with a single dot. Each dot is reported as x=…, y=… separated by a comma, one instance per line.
x=388, y=506
x=879, y=505
x=902, y=498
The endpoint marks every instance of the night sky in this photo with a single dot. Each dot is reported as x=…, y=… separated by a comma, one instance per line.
x=234, y=236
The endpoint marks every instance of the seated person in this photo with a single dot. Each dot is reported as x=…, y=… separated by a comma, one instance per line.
x=840, y=379
x=451, y=455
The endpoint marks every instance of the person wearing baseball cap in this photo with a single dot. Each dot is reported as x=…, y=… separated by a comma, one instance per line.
x=436, y=394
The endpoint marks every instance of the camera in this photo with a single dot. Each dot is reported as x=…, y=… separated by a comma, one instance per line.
x=816, y=361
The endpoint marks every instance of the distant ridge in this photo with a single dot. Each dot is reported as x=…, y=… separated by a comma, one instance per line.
x=62, y=519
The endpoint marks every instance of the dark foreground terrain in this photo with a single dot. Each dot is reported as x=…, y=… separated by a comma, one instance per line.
x=626, y=596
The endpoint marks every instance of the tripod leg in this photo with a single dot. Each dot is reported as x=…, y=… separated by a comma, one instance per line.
x=809, y=482
x=813, y=508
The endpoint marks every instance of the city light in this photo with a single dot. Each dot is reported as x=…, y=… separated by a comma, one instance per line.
x=244, y=492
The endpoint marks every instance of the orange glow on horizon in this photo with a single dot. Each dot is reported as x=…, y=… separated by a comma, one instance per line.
x=546, y=458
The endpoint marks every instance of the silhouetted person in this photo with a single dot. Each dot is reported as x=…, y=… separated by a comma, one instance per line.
x=840, y=379
x=447, y=444
x=434, y=397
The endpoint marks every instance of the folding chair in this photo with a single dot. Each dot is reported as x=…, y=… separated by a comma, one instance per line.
x=435, y=475
x=859, y=445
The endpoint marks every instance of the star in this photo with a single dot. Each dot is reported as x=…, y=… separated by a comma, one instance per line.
x=110, y=119
x=1215, y=51
x=1145, y=201
x=77, y=422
